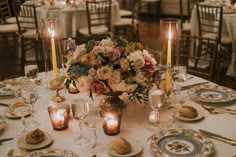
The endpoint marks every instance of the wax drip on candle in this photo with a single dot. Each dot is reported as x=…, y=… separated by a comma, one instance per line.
x=54, y=56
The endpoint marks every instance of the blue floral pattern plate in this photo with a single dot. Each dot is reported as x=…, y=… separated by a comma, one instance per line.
x=52, y=152
x=212, y=94
x=180, y=143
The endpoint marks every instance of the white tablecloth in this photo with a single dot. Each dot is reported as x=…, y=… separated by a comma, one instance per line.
x=134, y=125
x=228, y=27
x=72, y=18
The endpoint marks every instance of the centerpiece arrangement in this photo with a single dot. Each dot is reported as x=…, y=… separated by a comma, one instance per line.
x=112, y=67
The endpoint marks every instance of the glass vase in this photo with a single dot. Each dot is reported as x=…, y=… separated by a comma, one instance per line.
x=53, y=57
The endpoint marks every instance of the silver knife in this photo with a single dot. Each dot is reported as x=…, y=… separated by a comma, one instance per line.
x=190, y=86
x=218, y=137
x=5, y=139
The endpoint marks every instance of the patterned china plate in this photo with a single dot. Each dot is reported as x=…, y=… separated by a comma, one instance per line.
x=52, y=152
x=212, y=94
x=180, y=143
x=24, y=145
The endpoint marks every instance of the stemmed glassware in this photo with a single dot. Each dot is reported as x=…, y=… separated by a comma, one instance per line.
x=94, y=121
x=156, y=101
x=31, y=72
x=30, y=96
x=80, y=109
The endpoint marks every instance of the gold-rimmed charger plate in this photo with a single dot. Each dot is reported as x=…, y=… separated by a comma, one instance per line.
x=212, y=94
x=180, y=143
x=21, y=142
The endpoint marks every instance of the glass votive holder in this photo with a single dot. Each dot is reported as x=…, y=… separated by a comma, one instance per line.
x=59, y=115
x=112, y=121
x=154, y=117
x=72, y=88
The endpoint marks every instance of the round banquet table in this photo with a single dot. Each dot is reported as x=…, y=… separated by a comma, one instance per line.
x=134, y=125
x=72, y=18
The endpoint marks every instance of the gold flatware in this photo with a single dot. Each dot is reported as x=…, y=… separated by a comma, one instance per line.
x=213, y=110
x=3, y=104
x=5, y=139
x=192, y=85
x=218, y=137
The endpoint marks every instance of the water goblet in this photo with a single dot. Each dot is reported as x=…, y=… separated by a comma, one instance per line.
x=94, y=121
x=156, y=101
x=30, y=96
x=80, y=109
x=31, y=72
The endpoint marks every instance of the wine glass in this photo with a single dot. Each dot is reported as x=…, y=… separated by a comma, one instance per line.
x=94, y=121
x=30, y=96
x=80, y=109
x=31, y=71
x=156, y=100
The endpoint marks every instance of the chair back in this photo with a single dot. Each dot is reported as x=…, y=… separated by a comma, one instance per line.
x=210, y=20
x=5, y=10
x=26, y=17
x=197, y=53
x=99, y=13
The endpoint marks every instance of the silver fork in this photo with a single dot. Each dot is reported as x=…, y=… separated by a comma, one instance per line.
x=213, y=110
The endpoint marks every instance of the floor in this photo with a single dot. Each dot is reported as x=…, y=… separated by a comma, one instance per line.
x=148, y=35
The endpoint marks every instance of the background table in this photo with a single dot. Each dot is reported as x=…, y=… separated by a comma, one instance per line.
x=134, y=125
x=229, y=28
x=72, y=18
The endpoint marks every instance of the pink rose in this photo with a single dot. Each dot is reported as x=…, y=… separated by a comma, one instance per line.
x=99, y=88
x=150, y=65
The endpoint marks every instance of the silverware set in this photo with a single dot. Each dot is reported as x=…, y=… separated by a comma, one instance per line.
x=218, y=137
x=219, y=110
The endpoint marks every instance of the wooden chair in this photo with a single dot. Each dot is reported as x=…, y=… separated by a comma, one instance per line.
x=197, y=53
x=210, y=25
x=124, y=25
x=27, y=30
x=5, y=12
x=148, y=4
x=99, y=18
x=185, y=11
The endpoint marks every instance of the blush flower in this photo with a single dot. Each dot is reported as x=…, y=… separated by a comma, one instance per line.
x=99, y=88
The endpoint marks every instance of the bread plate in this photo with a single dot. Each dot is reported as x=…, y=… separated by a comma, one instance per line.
x=137, y=147
x=21, y=142
x=17, y=110
x=199, y=116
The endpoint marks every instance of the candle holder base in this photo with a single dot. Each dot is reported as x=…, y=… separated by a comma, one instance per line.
x=58, y=98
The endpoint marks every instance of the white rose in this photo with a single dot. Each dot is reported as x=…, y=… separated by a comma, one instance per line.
x=115, y=77
x=118, y=87
x=106, y=42
x=104, y=72
x=139, y=62
x=84, y=83
x=140, y=78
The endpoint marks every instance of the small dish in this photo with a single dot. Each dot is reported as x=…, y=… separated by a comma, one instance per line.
x=3, y=123
x=53, y=152
x=180, y=143
x=136, y=149
x=199, y=116
x=21, y=142
x=17, y=110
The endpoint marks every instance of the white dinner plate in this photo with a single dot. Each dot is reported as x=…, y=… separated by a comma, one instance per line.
x=136, y=148
x=6, y=90
x=24, y=145
x=52, y=152
x=199, y=116
x=3, y=123
x=17, y=110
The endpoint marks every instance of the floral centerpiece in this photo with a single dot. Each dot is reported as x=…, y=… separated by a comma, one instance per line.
x=112, y=67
